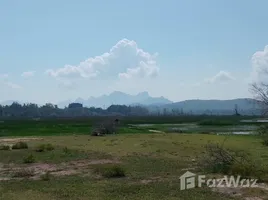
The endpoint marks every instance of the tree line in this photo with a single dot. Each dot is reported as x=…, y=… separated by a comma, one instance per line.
x=32, y=110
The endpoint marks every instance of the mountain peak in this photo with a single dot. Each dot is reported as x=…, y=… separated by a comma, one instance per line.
x=143, y=94
x=121, y=98
x=79, y=100
x=117, y=93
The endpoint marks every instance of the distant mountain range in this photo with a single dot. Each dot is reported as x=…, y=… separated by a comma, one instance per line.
x=243, y=105
x=159, y=104
x=119, y=98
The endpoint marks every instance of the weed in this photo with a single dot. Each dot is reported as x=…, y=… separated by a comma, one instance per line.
x=46, y=176
x=66, y=150
x=113, y=171
x=29, y=159
x=4, y=147
x=221, y=160
x=44, y=147
x=263, y=132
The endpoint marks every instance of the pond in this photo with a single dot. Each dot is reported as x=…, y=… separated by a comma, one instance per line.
x=255, y=120
x=238, y=133
x=195, y=128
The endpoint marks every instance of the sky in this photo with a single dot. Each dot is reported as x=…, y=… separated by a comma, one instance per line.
x=180, y=49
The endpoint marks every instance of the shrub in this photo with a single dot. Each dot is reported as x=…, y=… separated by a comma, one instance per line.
x=23, y=173
x=111, y=171
x=20, y=145
x=46, y=176
x=263, y=132
x=66, y=150
x=105, y=127
x=4, y=147
x=44, y=147
x=49, y=147
x=245, y=170
x=29, y=159
x=221, y=160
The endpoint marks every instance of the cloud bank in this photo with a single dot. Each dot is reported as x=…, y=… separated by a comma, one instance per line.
x=124, y=60
x=259, y=63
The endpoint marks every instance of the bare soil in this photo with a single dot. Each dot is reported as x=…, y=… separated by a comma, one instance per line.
x=7, y=171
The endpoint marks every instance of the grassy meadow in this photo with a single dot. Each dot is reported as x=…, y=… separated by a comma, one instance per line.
x=62, y=161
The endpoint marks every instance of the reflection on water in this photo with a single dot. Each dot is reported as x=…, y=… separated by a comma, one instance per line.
x=237, y=133
x=195, y=128
x=255, y=120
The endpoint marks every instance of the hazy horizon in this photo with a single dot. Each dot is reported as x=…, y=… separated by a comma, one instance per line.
x=74, y=99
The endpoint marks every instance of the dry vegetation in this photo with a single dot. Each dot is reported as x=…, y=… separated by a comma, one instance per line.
x=132, y=166
x=126, y=166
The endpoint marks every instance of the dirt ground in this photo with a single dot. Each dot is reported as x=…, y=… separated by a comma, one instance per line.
x=36, y=170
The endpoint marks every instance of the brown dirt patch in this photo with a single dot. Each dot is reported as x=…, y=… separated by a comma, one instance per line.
x=229, y=191
x=62, y=169
x=66, y=172
x=246, y=193
x=253, y=198
x=8, y=141
x=157, y=179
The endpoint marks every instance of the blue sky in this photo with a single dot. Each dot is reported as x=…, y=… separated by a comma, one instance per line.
x=56, y=50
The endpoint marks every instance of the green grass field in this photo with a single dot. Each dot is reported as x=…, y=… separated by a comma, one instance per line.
x=83, y=126
x=76, y=167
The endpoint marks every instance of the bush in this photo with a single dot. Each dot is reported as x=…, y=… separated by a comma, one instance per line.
x=66, y=150
x=217, y=160
x=4, y=147
x=29, y=159
x=263, y=132
x=20, y=145
x=105, y=128
x=44, y=147
x=245, y=170
x=46, y=176
x=111, y=171
x=23, y=173
x=220, y=160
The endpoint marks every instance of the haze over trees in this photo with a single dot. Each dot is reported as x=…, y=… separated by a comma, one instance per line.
x=51, y=110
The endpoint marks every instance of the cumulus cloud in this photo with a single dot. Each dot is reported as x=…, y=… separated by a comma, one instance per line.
x=124, y=60
x=28, y=74
x=221, y=77
x=259, y=63
x=4, y=81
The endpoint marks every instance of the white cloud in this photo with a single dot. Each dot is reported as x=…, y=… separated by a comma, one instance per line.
x=5, y=82
x=259, y=63
x=13, y=85
x=221, y=77
x=143, y=70
x=124, y=60
x=28, y=74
